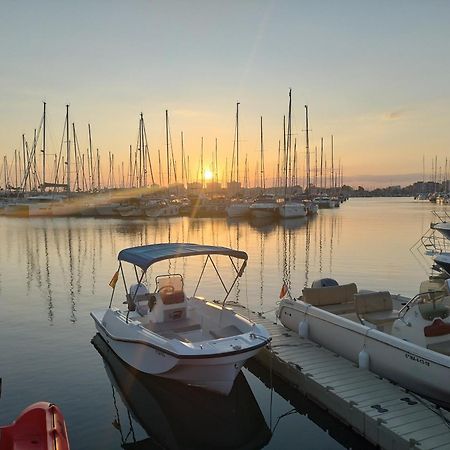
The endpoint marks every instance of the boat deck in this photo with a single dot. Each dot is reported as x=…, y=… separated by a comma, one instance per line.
x=386, y=414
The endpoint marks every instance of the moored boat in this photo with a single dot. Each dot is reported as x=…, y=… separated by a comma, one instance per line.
x=442, y=227
x=166, y=333
x=39, y=426
x=238, y=208
x=264, y=206
x=164, y=409
x=292, y=209
x=404, y=340
x=324, y=202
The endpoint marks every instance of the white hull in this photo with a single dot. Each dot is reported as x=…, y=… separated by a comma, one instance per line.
x=292, y=210
x=164, y=409
x=212, y=366
x=413, y=367
x=261, y=211
x=238, y=210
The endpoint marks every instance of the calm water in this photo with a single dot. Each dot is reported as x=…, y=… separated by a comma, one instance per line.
x=54, y=271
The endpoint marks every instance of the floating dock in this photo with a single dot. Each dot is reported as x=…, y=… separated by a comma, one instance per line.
x=386, y=414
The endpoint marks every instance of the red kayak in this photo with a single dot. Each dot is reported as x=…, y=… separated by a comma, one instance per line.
x=41, y=426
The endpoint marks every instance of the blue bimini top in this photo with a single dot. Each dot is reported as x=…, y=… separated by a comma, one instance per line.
x=146, y=255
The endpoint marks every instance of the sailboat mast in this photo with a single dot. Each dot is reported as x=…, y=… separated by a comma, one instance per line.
x=68, y=149
x=215, y=164
x=308, y=174
x=321, y=164
x=183, y=169
x=333, y=181
x=43, y=148
x=237, y=143
x=263, y=181
x=91, y=163
x=201, y=165
x=167, y=148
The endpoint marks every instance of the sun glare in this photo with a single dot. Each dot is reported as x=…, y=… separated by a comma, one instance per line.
x=208, y=175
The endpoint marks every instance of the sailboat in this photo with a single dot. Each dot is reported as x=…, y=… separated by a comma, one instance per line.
x=291, y=208
x=238, y=207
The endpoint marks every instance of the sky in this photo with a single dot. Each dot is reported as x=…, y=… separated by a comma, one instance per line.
x=374, y=74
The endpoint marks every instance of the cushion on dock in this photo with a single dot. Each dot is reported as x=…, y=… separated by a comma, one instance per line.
x=331, y=295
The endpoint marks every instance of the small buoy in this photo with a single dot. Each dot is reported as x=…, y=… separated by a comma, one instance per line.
x=303, y=329
x=363, y=359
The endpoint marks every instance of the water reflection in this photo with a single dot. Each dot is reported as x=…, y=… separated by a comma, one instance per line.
x=175, y=416
x=67, y=259
x=304, y=406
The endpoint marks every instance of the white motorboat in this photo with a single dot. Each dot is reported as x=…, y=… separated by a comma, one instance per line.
x=404, y=340
x=164, y=409
x=292, y=209
x=166, y=333
x=162, y=208
x=324, y=202
x=238, y=208
x=264, y=206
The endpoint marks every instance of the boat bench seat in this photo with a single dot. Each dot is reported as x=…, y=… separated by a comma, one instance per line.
x=375, y=307
x=334, y=299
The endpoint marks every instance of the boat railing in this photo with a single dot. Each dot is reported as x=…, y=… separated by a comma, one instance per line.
x=433, y=296
x=442, y=216
x=434, y=243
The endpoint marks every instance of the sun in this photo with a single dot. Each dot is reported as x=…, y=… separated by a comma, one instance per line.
x=208, y=175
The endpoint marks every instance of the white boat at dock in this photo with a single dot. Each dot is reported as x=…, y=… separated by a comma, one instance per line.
x=264, y=206
x=291, y=209
x=324, y=202
x=404, y=340
x=164, y=410
x=238, y=208
x=166, y=333
x=162, y=208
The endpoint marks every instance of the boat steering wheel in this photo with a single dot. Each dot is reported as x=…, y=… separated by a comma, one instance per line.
x=167, y=290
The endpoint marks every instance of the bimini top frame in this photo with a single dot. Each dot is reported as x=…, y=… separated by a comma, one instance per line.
x=146, y=255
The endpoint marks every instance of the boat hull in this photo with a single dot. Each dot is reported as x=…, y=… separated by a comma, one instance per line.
x=263, y=213
x=40, y=426
x=238, y=210
x=443, y=228
x=214, y=372
x=416, y=368
x=292, y=210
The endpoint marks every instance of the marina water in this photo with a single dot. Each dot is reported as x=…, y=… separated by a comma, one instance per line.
x=53, y=272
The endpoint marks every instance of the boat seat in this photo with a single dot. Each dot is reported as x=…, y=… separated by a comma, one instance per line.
x=376, y=308
x=334, y=299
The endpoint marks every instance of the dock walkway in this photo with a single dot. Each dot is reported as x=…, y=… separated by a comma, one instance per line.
x=384, y=413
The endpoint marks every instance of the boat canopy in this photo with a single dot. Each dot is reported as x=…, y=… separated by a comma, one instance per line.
x=146, y=255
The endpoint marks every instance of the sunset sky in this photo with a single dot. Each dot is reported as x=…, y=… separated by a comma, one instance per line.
x=375, y=74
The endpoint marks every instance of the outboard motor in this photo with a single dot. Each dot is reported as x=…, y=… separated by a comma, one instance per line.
x=324, y=282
